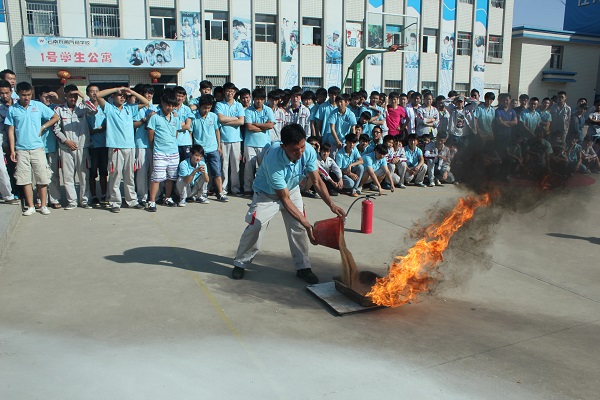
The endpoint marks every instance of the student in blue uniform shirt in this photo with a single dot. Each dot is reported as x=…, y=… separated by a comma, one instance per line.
x=231, y=117
x=277, y=189
x=6, y=185
x=98, y=150
x=341, y=122
x=350, y=162
x=325, y=109
x=143, y=151
x=162, y=134
x=25, y=128
x=376, y=169
x=193, y=179
x=120, y=140
x=184, y=113
x=47, y=96
x=259, y=120
x=206, y=133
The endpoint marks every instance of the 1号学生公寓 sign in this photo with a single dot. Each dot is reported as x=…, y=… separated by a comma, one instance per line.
x=50, y=51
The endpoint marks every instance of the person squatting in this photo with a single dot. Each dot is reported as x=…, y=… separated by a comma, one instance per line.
x=127, y=147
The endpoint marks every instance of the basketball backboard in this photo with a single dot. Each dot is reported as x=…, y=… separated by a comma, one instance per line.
x=385, y=29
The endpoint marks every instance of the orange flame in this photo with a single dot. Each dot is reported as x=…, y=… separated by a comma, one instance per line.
x=412, y=274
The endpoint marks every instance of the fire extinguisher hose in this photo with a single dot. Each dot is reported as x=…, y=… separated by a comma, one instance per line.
x=368, y=197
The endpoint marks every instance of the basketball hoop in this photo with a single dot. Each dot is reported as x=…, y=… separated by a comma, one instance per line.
x=395, y=47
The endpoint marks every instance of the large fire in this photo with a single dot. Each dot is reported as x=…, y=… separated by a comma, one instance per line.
x=412, y=274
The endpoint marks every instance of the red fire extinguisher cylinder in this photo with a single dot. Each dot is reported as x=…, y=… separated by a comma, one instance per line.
x=366, y=220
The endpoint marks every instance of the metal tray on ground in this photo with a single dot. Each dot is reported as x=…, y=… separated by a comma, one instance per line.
x=366, y=278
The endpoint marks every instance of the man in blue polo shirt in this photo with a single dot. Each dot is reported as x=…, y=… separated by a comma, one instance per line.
x=98, y=149
x=120, y=140
x=162, y=135
x=184, y=113
x=259, y=121
x=376, y=168
x=276, y=189
x=415, y=162
x=24, y=122
x=325, y=109
x=206, y=133
x=231, y=116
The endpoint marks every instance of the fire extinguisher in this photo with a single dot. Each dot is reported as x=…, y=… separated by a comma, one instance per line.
x=366, y=216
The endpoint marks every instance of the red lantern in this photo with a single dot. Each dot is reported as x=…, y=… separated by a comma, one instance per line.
x=63, y=75
x=154, y=75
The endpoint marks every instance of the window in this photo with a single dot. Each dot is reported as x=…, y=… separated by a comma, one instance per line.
x=466, y=1
x=215, y=24
x=268, y=83
x=556, y=56
x=310, y=83
x=265, y=28
x=463, y=45
x=105, y=20
x=462, y=88
x=432, y=86
x=495, y=47
x=498, y=3
x=429, y=40
x=42, y=18
x=392, y=86
x=162, y=23
x=217, y=80
x=311, y=32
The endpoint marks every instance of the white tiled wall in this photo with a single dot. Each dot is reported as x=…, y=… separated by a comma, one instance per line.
x=216, y=54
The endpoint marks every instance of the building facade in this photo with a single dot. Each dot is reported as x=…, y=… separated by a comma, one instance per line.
x=452, y=44
x=544, y=62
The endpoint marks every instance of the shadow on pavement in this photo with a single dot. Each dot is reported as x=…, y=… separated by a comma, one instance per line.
x=592, y=240
x=262, y=282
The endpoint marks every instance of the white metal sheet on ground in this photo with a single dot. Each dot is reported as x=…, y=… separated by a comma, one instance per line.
x=339, y=303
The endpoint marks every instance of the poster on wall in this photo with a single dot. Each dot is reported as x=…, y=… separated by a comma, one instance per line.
x=353, y=34
x=190, y=30
x=373, y=62
x=411, y=56
x=333, y=48
x=241, y=45
x=448, y=26
x=242, y=39
x=289, y=42
x=191, y=34
x=480, y=45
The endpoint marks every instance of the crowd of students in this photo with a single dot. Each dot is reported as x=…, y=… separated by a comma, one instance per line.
x=140, y=148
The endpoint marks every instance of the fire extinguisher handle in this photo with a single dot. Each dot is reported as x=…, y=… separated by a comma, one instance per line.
x=367, y=197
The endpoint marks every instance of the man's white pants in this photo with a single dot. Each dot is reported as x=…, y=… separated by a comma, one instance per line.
x=186, y=191
x=143, y=163
x=5, y=188
x=75, y=162
x=231, y=159
x=262, y=210
x=54, y=186
x=253, y=156
x=120, y=167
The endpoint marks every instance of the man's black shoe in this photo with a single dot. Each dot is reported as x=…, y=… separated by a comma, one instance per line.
x=307, y=275
x=237, y=273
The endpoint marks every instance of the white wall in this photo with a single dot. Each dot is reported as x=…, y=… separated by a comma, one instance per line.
x=72, y=19
x=133, y=19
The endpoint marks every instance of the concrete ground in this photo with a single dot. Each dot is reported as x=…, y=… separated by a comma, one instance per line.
x=135, y=305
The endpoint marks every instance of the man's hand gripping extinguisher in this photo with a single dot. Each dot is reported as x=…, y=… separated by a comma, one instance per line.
x=366, y=216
